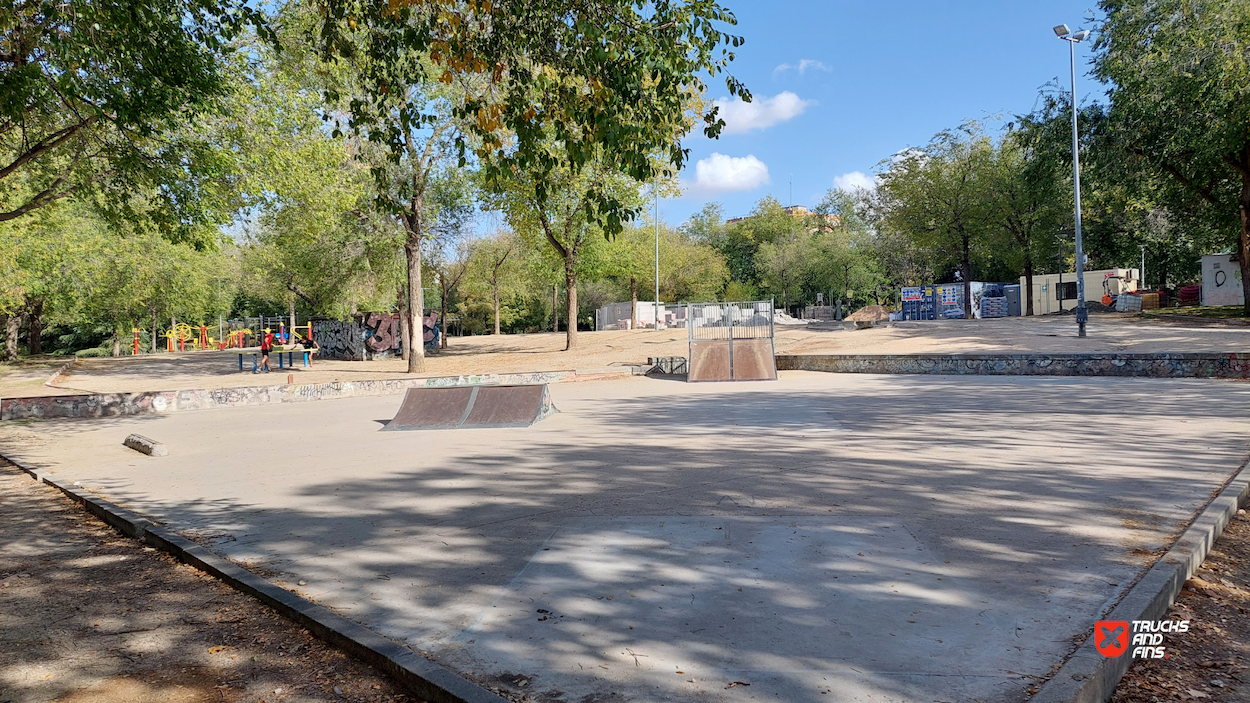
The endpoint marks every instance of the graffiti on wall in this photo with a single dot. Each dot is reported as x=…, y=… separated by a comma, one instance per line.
x=339, y=340
x=373, y=335
x=382, y=332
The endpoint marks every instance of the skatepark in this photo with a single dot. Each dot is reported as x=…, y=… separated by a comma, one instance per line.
x=829, y=537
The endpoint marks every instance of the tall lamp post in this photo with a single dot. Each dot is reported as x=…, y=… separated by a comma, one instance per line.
x=656, y=310
x=1082, y=314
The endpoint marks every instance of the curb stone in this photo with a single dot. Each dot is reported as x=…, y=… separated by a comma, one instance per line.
x=430, y=681
x=1089, y=677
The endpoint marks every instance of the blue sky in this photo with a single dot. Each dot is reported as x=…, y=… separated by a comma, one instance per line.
x=839, y=86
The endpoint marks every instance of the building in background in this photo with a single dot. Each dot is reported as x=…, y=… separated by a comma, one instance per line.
x=1221, y=280
x=1049, y=291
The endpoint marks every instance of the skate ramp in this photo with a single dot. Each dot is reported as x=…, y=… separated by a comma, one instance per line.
x=472, y=406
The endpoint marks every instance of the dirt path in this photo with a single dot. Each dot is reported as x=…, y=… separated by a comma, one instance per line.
x=89, y=615
x=1211, y=662
x=601, y=350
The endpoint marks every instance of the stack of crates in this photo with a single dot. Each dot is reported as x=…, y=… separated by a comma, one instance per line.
x=994, y=307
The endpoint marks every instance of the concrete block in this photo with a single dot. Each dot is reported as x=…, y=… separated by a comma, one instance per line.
x=142, y=444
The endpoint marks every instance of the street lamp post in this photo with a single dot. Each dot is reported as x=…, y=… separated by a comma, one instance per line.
x=1082, y=314
x=656, y=310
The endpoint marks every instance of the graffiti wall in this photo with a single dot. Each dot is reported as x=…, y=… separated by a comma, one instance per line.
x=339, y=340
x=382, y=335
x=372, y=335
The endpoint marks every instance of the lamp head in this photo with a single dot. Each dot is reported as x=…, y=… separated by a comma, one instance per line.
x=1081, y=35
x=1062, y=31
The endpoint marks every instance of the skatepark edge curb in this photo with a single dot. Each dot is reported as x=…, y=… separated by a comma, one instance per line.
x=422, y=677
x=1089, y=677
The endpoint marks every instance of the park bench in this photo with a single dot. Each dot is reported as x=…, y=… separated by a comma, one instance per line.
x=290, y=354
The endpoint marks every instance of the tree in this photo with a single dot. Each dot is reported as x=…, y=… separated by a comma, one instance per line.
x=561, y=211
x=98, y=96
x=599, y=79
x=1179, y=73
x=1029, y=172
x=492, y=255
x=937, y=197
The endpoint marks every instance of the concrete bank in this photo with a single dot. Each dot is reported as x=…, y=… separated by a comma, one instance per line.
x=119, y=404
x=423, y=677
x=1147, y=365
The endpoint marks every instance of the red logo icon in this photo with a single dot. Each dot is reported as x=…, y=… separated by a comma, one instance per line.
x=1111, y=637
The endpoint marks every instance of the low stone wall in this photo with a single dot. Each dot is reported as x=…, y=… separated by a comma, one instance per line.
x=1148, y=365
x=119, y=404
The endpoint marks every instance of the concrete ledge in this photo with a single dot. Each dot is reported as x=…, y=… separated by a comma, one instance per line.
x=143, y=445
x=121, y=404
x=1148, y=365
x=60, y=372
x=1089, y=677
x=427, y=680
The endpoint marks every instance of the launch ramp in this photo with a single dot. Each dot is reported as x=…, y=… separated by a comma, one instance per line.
x=472, y=406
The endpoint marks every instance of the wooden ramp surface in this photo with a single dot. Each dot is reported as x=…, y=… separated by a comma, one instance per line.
x=471, y=406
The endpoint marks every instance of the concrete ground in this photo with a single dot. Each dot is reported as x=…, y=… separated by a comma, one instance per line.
x=819, y=538
x=599, y=350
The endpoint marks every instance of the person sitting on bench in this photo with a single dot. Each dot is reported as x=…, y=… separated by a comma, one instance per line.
x=310, y=346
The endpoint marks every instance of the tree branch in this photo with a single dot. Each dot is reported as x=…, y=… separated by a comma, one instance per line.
x=44, y=145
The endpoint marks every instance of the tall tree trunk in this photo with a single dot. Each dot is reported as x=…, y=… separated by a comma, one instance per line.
x=633, y=303
x=152, y=336
x=570, y=280
x=291, y=310
x=404, y=324
x=416, y=300
x=966, y=267
x=117, y=342
x=1243, y=244
x=12, y=327
x=1028, y=283
x=173, y=343
x=494, y=284
x=34, y=322
x=555, y=308
x=442, y=308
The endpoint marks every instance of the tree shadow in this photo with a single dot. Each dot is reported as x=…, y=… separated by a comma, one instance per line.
x=1020, y=509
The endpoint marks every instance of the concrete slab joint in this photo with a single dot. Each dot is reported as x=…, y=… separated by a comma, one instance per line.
x=143, y=445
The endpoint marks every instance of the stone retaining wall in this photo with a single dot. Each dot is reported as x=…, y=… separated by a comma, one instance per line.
x=1149, y=365
x=118, y=404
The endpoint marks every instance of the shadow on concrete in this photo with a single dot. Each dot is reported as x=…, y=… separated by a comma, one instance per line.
x=1025, y=507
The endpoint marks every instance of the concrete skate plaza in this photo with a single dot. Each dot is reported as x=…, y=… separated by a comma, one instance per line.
x=821, y=538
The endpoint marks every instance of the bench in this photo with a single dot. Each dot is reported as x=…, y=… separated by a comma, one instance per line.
x=290, y=360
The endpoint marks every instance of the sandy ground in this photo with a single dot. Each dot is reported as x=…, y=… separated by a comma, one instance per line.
x=599, y=350
x=90, y=616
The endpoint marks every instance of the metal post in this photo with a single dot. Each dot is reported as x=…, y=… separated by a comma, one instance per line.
x=1081, y=313
x=657, y=256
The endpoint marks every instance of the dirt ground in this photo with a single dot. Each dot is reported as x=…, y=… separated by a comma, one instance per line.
x=1211, y=662
x=89, y=615
x=602, y=350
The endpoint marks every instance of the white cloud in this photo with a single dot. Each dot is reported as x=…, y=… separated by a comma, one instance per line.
x=761, y=113
x=855, y=180
x=724, y=174
x=802, y=66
